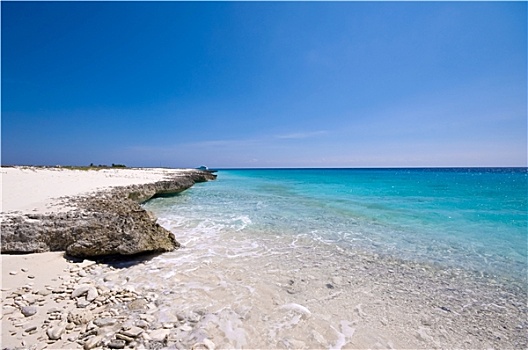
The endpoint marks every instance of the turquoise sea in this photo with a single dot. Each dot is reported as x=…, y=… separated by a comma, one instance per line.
x=347, y=258
x=468, y=218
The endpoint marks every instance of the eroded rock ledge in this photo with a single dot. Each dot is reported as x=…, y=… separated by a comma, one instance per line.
x=110, y=222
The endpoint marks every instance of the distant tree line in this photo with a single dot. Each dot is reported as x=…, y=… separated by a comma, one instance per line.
x=92, y=165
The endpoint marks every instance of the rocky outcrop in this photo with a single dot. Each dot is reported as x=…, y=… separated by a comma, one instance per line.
x=108, y=223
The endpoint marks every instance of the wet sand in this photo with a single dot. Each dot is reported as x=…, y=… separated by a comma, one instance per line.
x=276, y=293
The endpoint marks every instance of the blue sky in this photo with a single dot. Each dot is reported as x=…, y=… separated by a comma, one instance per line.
x=267, y=84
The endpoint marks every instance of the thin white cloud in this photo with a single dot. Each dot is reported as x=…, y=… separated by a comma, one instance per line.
x=302, y=135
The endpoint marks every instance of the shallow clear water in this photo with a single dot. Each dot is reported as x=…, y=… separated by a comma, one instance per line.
x=474, y=219
x=346, y=258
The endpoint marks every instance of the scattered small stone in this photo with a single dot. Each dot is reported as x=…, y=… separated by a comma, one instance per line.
x=142, y=324
x=55, y=333
x=31, y=276
x=206, y=344
x=82, y=303
x=86, y=263
x=111, y=277
x=193, y=317
x=28, y=310
x=7, y=310
x=89, y=290
x=92, y=342
x=149, y=318
x=24, y=269
x=44, y=292
x=79, y=317
x=137, y=304
x=13, y=272
x=159, y=334
x=54, y=310
x=30, y=329
x=103, y=322
x=117, y=344
x=132, y=331
x=186, y=328
x=124, y=337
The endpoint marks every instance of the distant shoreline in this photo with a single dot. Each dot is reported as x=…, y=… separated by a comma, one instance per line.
x=525, y=169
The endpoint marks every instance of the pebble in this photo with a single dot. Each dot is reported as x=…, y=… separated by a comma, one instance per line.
x=96, y=322
x=132, y=331
x=89, y=290
x=117, y=344
x=142, y=324
x=186, y=328
x=86, y=263
x=30, y=329
x=28, y=310
x=13, y=272
x=111, y=277
x=137, y=304
x=124, y=337
x=44, y=292
x=209, y=344
x=147, y=318
x=159, y=334
x=92, y=342
x=83, y=303
x=7, y=310
x=103, y=322
x=54, y=310
x=79, y=317
x=55, y=333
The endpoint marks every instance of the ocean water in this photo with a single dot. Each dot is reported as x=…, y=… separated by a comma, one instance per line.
x=474, y=219
x=345, y=258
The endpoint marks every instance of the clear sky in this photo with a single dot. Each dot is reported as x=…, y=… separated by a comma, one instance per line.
x=267, y=84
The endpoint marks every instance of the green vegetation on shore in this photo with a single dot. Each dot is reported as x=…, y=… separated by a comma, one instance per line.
x=93, y=167
x=75, y=167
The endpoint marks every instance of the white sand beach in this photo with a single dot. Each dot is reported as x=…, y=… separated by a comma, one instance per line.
x=39, y=190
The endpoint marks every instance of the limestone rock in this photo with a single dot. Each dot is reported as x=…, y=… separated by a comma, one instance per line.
x=80, y=316
x=89, y=290
x=110, y=223
x=104, y=322
x=159, y=334
x=92, y=342
x=117, y=344
x=55, y=333
x=132, y=331
x=28, y=310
